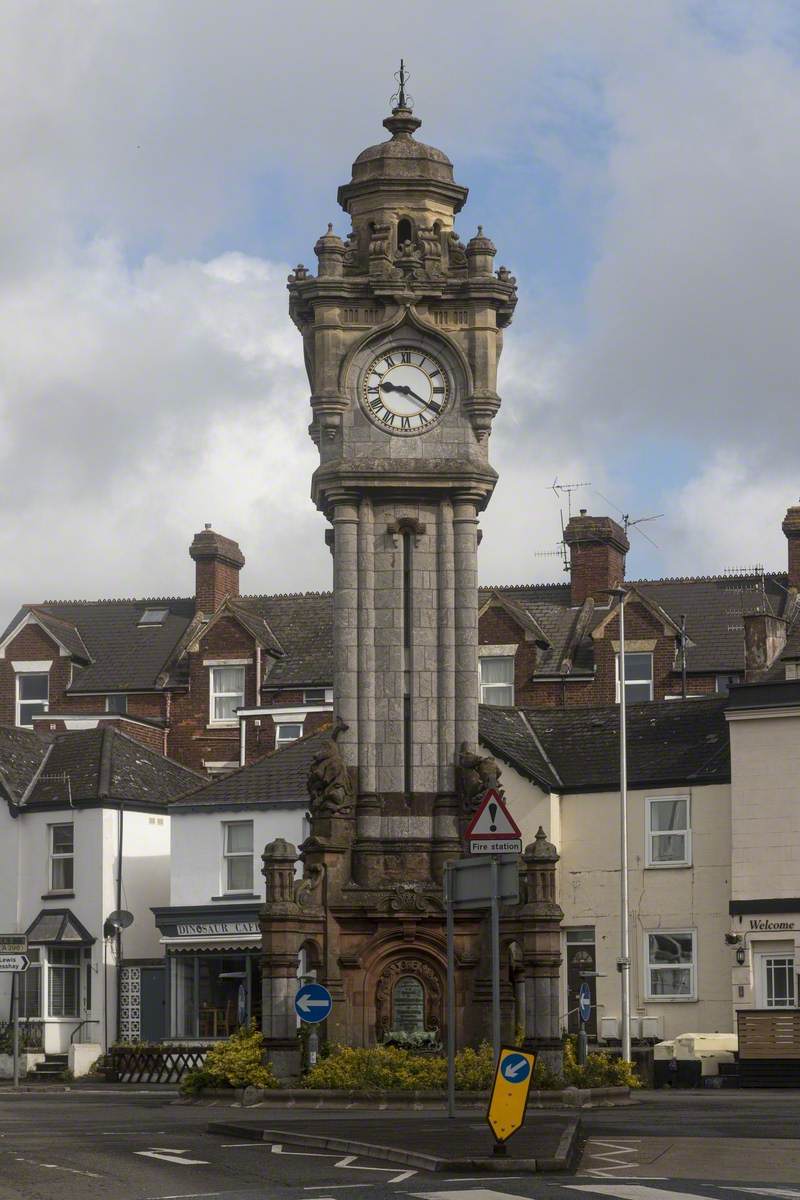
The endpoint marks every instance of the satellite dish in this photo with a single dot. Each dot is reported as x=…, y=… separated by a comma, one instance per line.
x=120, y=918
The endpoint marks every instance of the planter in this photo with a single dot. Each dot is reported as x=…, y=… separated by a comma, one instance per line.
x=351, y=1098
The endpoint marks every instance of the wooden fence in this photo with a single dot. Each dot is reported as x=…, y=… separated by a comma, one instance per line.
x=769, y=1033
x=153, y=1064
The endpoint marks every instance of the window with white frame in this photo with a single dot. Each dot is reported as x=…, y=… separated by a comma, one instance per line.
x=314, y=696
x=778, y=980
x=671, y=959
x=62, y=857
x=638, y=677
x=227, y=694
x=669, y=836
x=33, y=694
x=287, y=731
x=237, y=867
x=497, y=680
x=30, y=985
x=63, y=982
x=117, y=702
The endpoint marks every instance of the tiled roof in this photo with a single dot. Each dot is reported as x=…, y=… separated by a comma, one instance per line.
x=125, y=656
x=91, y=765
x=21, y=754
x=577, y=749
x=277, y=778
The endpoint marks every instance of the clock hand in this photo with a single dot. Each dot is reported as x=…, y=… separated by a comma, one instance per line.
x=404, y=390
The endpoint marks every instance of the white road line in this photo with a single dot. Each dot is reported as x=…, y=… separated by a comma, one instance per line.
x=188, y=1196
x=336, y=1187
x=469, y=1194
x=241, y=1145
x=634, y=1191
x=172, y=1156
x=478, y=1178
x=56, y=1167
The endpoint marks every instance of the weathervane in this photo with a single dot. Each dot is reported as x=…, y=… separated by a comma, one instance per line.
x=400, y=99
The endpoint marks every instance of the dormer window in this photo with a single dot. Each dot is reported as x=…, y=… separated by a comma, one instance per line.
x=153, y=616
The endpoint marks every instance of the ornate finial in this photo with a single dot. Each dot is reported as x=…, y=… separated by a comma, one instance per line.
x=400, y=99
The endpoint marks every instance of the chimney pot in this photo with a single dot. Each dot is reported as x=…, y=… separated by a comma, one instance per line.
x=791, y=527
x=764, y=640
x=218, y=561
x=597, y=549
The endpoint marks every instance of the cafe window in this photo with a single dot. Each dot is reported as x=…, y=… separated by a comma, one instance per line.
x=669, y=838
x=237, y=867
x=671, y=965
x=215, y=994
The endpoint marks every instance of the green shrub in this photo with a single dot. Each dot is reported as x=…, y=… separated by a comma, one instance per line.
x=237, y=1063
x=474, y=1068
x=601, y=1069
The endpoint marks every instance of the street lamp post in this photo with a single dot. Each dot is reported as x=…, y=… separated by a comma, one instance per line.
x=624, y=960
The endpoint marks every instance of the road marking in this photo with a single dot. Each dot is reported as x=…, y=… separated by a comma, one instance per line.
x=188, y=1196
x=469, y=1194
x=612, y=1158
x=172, y=1156
x=633, y=1191
x=335, y=1187
x=477, y=1178
x=56, y=1167
x=277, y=1148
x=241, y=1145
x=781, y=1193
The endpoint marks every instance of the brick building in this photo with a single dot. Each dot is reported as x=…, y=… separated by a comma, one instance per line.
x=219, y=679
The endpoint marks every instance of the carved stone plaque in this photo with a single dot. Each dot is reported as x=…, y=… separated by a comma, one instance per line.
x=408, y=1005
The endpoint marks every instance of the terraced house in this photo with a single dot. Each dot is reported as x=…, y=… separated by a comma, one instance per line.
x=218, y=679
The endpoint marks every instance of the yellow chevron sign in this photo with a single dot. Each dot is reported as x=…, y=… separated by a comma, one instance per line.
x=509, y=1098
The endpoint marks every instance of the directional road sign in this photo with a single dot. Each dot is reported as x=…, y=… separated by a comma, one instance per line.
x=13, y=943
x=585, y=1002
x=509, y=1098
x=313, y=1003
x=14, y=962
x=493, y=830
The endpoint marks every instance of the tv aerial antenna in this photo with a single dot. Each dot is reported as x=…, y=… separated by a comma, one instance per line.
x=560, y=490
x=636, y=522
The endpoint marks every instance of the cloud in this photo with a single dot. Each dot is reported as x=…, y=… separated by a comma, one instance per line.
x=164, y=163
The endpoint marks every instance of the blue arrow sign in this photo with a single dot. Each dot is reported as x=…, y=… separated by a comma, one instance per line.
x=313, y=1003
x=585, y=1002
x=515, y=1068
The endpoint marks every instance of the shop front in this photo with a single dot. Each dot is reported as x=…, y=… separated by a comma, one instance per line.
x=767, y=972
x=213, y=960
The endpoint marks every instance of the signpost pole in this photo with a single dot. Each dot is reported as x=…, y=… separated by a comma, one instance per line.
x=451, y=993
x=15, y=1017
x=495, y=959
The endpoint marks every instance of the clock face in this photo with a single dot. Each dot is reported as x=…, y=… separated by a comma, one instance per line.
x=405, y=390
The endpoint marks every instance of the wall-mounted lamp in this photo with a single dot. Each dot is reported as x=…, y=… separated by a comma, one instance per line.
x=741, y=955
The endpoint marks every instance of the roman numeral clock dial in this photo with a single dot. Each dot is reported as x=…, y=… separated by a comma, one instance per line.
x=405, y=391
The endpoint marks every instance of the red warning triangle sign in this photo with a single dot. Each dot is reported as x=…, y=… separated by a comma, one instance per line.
x=492, y=820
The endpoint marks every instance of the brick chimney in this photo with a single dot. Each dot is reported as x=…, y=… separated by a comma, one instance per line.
x=597, y=549
x=764, y=640
x=218, y=562
x=791, y=527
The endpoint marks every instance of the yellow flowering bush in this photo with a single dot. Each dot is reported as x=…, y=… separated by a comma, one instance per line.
x=237, y=1062
x=390, y=1068
x=600, y=1070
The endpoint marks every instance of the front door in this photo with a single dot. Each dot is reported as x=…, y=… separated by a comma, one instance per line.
x=581, y=960
x=777, y=981
x=154, y=1004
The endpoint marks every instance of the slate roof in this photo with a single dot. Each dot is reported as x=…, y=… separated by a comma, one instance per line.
x=92, y=766
x=277, y=778
x=21, y=753
x=121, y=655
x=577, y=749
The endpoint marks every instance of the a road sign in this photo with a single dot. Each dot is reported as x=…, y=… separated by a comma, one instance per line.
x=14, y=962
x=585, y=1002
x=313, y=1003
x=469, y=881
x=13, y=943
x=493, y=830
x=509, y=1098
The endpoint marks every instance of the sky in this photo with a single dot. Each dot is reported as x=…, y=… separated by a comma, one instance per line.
x=165, y=164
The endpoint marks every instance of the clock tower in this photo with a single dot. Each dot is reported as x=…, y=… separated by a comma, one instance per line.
x=402, y=329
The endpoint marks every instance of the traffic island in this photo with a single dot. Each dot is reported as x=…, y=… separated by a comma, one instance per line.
x=547, y=1142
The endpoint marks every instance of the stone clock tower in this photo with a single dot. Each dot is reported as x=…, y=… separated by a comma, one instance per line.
x=402, y=329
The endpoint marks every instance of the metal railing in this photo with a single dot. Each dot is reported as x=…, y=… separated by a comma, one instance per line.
x=31, y=1033
x=79, y=1027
